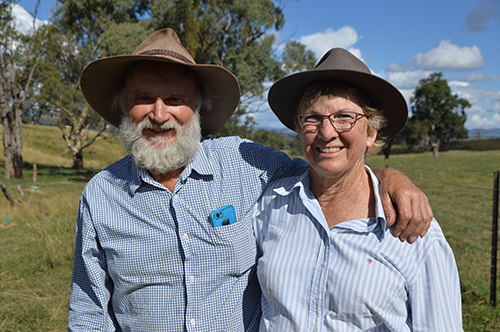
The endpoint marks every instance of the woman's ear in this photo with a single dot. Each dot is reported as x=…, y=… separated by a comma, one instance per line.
x=371, y=137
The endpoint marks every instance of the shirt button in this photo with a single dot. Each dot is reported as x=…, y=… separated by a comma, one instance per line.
x=316, y=297
x=185, y=236
x=174, y=197
x=192, y=321
x=315, y=329
x=191, y=278
x=323, y=264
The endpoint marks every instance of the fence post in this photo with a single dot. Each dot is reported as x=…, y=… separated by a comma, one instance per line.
x=494, y=243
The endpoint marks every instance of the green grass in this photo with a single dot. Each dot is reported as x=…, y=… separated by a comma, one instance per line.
x=45, y=146
x=36, y=250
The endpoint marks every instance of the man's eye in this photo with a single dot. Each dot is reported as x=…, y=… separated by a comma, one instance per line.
x=143, y=99
x=175, y=100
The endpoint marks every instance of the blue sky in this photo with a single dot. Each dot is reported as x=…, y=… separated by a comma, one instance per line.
x=401, y=41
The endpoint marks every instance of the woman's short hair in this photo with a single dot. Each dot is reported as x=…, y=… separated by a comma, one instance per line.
x=326, y=90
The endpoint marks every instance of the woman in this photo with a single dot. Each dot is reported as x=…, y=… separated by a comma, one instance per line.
x=328, y=261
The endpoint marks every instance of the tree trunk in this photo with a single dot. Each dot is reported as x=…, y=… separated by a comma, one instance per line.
x=12, y=137
x=77, y=160
x=435, y=149
x=387, y=147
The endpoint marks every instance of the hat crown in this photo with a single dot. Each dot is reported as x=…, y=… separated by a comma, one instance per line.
x=340, y=59
x=164, y=42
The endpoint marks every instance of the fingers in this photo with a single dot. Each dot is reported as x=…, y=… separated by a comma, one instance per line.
x=412, y=212
x=414, y=217
x=390, y=212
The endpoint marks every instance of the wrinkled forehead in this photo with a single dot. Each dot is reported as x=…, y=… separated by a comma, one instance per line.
x=162, y=71
x=326, y=90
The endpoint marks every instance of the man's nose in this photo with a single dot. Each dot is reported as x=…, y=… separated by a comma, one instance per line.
x=160, y=112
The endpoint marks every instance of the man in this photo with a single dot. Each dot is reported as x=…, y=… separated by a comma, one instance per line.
x=147, y=255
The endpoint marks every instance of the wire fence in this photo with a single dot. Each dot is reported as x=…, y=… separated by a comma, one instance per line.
x=467, y=216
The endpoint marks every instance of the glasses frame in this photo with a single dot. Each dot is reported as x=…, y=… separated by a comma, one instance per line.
x=332, y=121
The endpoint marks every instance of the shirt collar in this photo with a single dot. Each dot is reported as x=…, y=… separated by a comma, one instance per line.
x=200, y=164
x=377, y=224
x=379, y=221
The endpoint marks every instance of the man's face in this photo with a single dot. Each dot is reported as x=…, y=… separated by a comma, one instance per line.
x=163, y=94
x=161, y=132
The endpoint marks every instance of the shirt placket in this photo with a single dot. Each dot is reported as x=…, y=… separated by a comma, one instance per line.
x=190, y=276
x=318, y=286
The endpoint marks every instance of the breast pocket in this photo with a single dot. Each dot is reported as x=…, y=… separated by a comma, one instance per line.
x=236, y=243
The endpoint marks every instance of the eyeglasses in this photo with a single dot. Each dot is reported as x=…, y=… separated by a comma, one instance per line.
x=341, y=121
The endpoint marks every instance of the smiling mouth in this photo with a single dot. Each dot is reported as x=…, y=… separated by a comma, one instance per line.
x=330, y=150
x=159, y=130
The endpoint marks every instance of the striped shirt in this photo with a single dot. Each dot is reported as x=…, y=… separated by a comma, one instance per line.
x=352, y=277
x=147, y=259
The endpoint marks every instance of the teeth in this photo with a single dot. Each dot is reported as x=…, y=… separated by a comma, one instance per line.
x=330, y=150
x=158, y=129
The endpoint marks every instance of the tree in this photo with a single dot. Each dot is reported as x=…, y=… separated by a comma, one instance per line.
x=296, y=57
x=83, y=30
x=19, y=58
x=438, y=115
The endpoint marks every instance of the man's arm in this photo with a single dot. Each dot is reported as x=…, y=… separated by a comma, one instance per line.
x=398, y=193
x=88, y=306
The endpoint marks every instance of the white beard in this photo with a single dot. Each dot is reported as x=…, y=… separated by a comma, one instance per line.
x=156, y=156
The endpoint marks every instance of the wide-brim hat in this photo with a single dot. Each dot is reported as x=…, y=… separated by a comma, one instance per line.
x=339, y=64
x=102, y=79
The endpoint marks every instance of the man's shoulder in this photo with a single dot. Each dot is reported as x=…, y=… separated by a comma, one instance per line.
x=227, y=143
x=118, y=171
x=255, y=154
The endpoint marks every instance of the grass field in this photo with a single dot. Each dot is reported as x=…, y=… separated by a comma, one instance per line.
x=36, y=254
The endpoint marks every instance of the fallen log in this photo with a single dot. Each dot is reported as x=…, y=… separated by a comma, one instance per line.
x=7, y=195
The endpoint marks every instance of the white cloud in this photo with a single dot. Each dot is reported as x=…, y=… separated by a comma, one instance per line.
x=321, y=42
x=485, y=106
x=459, y=83
x=484, y=122
x=477, y=77
x=450, y=57
x=24, y=20
x=407, y=79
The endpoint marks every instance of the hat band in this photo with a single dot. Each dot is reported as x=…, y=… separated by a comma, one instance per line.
x=167, y=53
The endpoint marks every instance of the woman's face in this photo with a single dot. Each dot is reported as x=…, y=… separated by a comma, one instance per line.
x=329, y=153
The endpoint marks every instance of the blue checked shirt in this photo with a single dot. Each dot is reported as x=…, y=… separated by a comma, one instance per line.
x=353, y=277
x=147, y=259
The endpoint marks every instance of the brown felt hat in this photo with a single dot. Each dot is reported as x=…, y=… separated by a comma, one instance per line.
x=102, y=79
x=339, y=64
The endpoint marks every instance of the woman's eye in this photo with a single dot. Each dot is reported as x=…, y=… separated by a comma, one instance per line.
x=313, y=118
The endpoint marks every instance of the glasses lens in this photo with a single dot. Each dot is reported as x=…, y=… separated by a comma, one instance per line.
x=343, y=120
x=310, y=122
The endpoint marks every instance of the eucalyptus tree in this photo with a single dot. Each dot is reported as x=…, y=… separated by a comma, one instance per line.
x=438, y=115
x=82, y=32
x=19, y=57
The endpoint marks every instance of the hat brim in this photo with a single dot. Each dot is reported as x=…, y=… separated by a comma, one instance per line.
x=102, y=79
x=284, y=96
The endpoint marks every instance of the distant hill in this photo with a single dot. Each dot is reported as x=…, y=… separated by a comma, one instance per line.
x=484, y=133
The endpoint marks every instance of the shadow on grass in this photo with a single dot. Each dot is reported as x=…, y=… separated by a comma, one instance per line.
x=57, y=172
